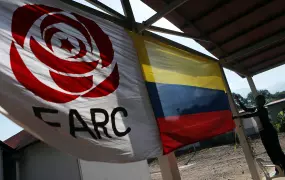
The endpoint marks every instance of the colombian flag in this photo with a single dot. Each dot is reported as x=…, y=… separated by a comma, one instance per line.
x=186, y=91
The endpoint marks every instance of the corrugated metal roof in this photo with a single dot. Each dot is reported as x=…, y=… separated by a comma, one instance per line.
x=248, y=36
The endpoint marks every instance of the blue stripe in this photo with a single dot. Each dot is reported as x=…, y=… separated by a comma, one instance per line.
x=175, y=100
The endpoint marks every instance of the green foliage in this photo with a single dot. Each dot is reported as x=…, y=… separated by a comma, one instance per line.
x=280, y=123
x=249, y=100
x=279, y=95
x=277, y=126
x=268, y=96
x=242, y=99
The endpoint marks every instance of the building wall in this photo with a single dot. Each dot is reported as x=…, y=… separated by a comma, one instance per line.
x=41, y=162
x=250, y=126
x=275, y=109
x=107, y=171
x=9, y=166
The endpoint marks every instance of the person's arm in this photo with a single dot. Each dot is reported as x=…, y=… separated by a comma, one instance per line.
x=246, y=109
x=247, y=115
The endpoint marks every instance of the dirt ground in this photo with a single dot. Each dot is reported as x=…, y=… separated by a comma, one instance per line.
x=217, y=163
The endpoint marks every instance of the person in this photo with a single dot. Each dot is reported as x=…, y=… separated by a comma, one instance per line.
x=268, y=134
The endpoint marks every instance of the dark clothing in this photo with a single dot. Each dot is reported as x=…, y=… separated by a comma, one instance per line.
x=272, y=146
x=262, y=113
x=269, y=136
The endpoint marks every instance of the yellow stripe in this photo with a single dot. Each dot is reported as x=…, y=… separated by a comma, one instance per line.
x=162, y=63
x=141, y=51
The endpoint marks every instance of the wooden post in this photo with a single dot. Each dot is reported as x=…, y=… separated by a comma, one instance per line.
x=252, y=86
x=129, y=15
x=169, y=168
x=241, y=135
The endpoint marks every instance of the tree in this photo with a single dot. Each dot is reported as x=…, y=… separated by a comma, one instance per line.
x=242, y=99
x=268, y=96
x=250, y=99
x=280, y=123
x=279, y=95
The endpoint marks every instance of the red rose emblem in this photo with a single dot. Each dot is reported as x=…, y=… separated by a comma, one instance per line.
x=73, y=49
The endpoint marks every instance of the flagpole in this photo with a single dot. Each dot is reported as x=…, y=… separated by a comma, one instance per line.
x=240, y=132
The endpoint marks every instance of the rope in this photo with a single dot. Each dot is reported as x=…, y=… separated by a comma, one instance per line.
x=191, y=156
x=235, y=146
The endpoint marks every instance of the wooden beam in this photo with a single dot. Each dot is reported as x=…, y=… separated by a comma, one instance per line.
x=166, y=10
x=95, y=12
x=131, y=22
x=257, y=46
x=105, y=8
x=176, y=33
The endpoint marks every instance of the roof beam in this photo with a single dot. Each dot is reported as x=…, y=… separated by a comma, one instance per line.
x=95, y=12
x=166, y=10
x=130, y=18
x=238, y=70
x=266, y=21
x=247, y=12
x=204, y=35
x=176, y=33
x=223, y=25
x=264, y=55
x=105, y=8
x=269, y=67
x=263, y=61
x=276, y=60
x=5, y=147
x=257, y=46
x=201, y=15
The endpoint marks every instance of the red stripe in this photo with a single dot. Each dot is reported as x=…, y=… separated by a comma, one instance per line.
x=179, y=131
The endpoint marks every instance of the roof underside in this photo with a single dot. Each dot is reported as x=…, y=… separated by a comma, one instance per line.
x=248, y=36
x=20, y=140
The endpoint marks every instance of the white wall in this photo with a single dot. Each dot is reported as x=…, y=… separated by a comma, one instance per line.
x=107, y=171
x=249, y=123
x=41, y=162
x=250, y=126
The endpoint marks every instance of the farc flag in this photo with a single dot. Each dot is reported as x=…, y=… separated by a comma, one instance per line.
x=94, y=90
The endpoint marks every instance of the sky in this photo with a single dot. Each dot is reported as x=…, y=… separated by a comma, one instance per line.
x=267, y=80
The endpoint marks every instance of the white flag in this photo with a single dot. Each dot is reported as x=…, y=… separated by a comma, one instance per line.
x=73, y=80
